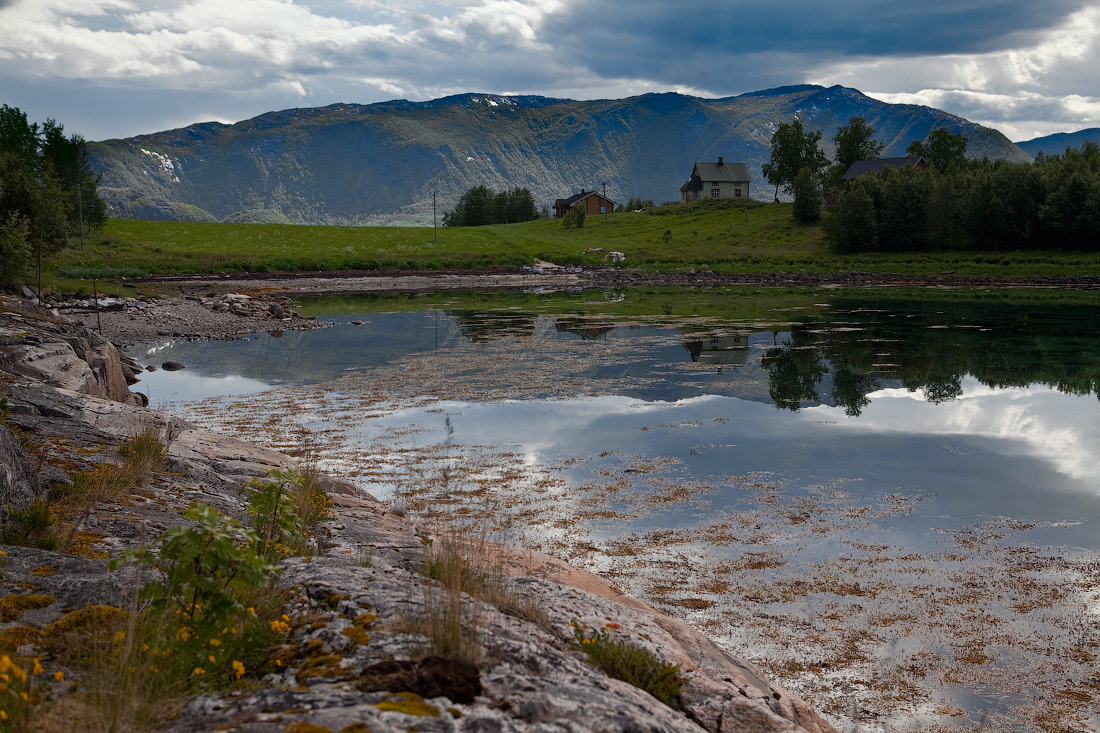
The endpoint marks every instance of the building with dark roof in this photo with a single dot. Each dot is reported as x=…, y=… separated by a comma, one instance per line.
x=862, y=167
x=592, y=202
x=718, y=180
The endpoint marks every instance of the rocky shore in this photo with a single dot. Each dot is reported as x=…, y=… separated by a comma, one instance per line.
x=352, y=664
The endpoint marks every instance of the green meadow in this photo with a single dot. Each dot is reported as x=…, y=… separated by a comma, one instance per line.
x=733, y=237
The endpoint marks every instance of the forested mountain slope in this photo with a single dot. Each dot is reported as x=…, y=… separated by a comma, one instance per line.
x=1057, y=143
x=381, y=163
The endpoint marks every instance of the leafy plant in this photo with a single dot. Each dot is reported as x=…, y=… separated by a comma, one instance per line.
x=275, y=515
x=206, y=571
x=632, y=664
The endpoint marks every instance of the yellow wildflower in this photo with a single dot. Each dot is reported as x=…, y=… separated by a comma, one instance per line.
x=199, y=671
x=37, y=668
x=59, y=676
x=238, y=669
x=120, y=636
x=215, y=642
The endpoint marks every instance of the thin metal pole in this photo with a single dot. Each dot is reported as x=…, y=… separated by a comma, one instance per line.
x=435, y=226
x=80, y=208
x=98, y=319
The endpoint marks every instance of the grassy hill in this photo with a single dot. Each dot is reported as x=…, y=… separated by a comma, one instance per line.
x=725, y=236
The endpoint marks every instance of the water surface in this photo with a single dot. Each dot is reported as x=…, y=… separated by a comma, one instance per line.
x=881, y=479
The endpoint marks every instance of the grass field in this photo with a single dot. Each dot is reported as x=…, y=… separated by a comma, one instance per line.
x=738, y=238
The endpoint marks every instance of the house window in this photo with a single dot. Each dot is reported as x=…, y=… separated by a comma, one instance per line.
x=737, y=192
x=603, y=209
x=715, y=193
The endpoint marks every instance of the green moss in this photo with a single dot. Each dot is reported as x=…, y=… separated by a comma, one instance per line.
x=409, y=704
x=13, y=606
x=326, y=666
x=365, y=620
x=43, y=571
x=357, y=636
x=84, y=545
x=87, y=619
x=14, y=637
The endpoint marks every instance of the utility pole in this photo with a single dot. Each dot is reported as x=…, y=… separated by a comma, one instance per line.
x=80, y=208
x=435, y=227
x=605, y=212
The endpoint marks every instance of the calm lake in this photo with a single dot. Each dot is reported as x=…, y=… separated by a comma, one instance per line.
x=888, y=500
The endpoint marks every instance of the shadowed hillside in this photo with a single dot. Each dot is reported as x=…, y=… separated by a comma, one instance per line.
x=1057, y=143
x=381, y=163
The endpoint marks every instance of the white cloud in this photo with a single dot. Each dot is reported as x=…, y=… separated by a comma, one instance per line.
x=1048, y=87
x=1018, y=67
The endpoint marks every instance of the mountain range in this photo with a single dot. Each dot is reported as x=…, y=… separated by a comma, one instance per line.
x=383, y=163
x=1057, y=143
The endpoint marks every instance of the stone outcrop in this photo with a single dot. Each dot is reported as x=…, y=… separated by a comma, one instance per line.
x=62, y=354
x=19, y=481
x=361, y=658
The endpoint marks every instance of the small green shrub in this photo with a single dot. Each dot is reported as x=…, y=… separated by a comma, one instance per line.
x=204, y=604
x=272, y=506
x=144, y=453
x=624, y=661
x=31, y=526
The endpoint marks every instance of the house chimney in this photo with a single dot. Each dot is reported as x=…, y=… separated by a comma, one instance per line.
x=719, y=160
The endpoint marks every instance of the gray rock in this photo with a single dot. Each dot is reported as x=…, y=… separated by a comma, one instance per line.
x=19, y=483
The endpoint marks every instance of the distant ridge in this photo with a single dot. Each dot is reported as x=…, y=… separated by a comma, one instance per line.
x=381, y=163
x=1057, y=143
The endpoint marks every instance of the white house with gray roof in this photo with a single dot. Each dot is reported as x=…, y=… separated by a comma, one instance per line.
x=718, y=180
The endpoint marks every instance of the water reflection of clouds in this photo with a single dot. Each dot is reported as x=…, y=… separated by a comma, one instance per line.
x=1038, y=421
x=163, y=387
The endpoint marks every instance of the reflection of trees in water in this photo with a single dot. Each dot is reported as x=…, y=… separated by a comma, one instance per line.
x=850, y=389
x=930, y=347
x=793, y=374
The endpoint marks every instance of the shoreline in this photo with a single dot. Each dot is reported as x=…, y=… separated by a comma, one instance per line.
x=556, y=276
x=182, y=308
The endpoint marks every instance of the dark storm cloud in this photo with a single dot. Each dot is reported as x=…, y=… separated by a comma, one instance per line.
x=864, y=27
x=660, y=40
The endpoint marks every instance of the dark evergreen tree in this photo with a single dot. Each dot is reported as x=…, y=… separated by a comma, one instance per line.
x=46, y=189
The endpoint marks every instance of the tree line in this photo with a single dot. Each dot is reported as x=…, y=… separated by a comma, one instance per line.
x=1051, y=203
x=47, y=189
x=953, y=203
x=480, y=205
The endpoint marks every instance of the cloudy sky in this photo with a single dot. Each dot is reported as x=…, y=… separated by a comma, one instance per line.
x=115, y=68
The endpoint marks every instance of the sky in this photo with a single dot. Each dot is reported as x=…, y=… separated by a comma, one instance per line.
x=117, y=68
